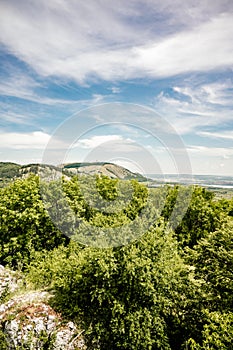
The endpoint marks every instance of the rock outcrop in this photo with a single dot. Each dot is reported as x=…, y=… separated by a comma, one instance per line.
x=27, y=320
x=107, y=169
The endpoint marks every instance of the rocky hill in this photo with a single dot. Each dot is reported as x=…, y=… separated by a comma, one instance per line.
x=9, y=171
x=108, y=169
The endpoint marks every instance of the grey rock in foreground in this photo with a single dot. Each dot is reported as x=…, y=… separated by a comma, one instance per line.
x=29, y=322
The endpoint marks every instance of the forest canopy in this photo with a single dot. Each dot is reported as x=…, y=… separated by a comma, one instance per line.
x=137, y=267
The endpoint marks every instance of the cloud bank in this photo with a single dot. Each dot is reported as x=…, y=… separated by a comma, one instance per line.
x=96, y=41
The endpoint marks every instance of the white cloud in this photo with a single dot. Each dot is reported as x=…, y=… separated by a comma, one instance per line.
x=211, y=160
x=115, y=90
x=228, y=135
x=188, y=13
x=96, y=141
x=22, y=86
x=15, y=118
x=206, y=47
x=33, y=140
x=17, y=85
x=193, y=107
x=65, y=39
x=218, y=93
x=211, y=151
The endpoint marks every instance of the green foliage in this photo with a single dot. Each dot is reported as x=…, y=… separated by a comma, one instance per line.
x=79, y=165
x=128, y=298
x=203, y=214
x=107, y=187
x=213, y=261
x=145, y=295
x=24, y=224
x=46, y=341
x=230, y=207
x=105, y=202
x=28, y=220
x=47, y=267
x=217, y=332
x=3, y=341
x=9, y=170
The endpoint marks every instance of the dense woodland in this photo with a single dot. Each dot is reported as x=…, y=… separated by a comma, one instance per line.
x=143, y=268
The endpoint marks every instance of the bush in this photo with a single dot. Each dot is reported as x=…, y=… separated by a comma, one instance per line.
x=132, y=297
x=25, y=225
x=217, y=332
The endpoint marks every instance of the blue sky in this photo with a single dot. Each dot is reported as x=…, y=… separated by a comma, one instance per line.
x=147, y=84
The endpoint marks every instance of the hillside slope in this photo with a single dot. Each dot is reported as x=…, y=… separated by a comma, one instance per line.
x=108, y=169
x=10, y=171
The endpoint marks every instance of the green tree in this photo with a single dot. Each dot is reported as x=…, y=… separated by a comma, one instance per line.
x=217, y=332
x=25, y=225
x=203, y=215
x=212, y=258
x=133, y=297
x=212, y=261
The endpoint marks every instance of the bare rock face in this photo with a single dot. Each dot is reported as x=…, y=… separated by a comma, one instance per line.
x=29, y=322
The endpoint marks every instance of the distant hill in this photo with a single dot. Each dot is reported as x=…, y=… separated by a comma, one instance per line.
x=108, y=169
x=10, y=171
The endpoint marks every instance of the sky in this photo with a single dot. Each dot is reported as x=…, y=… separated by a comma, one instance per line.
x=146, y=84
